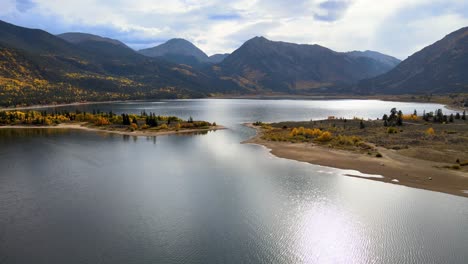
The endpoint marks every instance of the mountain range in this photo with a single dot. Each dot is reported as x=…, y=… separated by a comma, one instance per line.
x=439, y=68
x=37, y=67
x=265, y=65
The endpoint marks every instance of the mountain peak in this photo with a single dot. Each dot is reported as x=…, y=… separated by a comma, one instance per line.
x=176, y=47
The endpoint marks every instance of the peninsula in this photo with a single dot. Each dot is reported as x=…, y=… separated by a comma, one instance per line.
x=143, y=124
x=427, y=151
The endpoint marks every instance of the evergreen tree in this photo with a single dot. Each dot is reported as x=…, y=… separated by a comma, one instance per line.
x=451, y=118
x=361, y=125
x=464, y=115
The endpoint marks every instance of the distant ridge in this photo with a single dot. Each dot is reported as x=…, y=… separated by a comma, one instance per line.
x=177, y=50
x=77, y=38
x=265, y=65
x=438, y=68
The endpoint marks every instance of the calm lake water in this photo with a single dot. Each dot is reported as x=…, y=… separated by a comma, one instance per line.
x=84, y=197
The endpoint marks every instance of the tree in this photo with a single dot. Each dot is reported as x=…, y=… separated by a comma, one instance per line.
x=415, y=113
x=400, y=118
x=464, y=115
x=384, y=118
x=190, y=120
x=451, y=118
x=361, y=125
x=457, y=116
x=125, y=120
x=439, y=116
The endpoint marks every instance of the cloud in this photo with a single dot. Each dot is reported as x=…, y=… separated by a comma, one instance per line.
x=224, y=17
x=24, y=5
x=331, y=10
x=395, y=27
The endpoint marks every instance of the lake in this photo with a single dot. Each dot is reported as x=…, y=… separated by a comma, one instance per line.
x=85, y=197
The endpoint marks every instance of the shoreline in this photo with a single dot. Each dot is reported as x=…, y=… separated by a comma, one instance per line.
x=79, y=126
x=386, y=98
x=62, y=105
x=394, y=167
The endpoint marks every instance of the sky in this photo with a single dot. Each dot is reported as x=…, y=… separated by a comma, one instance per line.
x=395, y=27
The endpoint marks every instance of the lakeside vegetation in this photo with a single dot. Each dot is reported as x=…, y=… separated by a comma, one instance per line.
x=103, y=120
x=432, y=136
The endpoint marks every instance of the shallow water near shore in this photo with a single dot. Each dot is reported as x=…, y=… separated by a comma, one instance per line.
x=83, y=197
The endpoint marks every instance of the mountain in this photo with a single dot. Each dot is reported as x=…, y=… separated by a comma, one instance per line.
x=178, y=51
x=38, y=67
x=77, y=38
x=33, y=40
x=438, y=68
x=110, y=48
x=217, y=58
x=264, y=65
x=386, y=62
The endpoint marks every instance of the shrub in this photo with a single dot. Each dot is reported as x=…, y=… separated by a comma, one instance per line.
x=133, y=126
x=410, y=117
x=430, y=131
x=101, y=121
x=163, y=126
x=378, y=155
x=392, y=130
x=325, y=136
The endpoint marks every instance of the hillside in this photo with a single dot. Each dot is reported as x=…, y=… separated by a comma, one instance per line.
x=264, y=65
x=42, y=68
x=438, y=68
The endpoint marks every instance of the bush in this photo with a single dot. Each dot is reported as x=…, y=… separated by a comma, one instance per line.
x=325, y=136
x=392, y=130
x=163, y=126
x=133, y=126
x=101, y=121
x=430, y=131
x=378, y=155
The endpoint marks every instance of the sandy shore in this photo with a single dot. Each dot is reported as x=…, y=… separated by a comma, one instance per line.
x=147, y=133
x=395, y=168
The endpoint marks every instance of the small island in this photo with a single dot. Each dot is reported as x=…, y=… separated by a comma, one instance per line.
x=143, y=124
x=427, y=151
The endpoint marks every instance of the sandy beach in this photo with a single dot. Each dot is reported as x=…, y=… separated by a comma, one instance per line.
x=395, y=168
x=147, y=133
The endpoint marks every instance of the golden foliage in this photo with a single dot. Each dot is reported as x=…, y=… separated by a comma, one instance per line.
x=430, y=131
x=410, y=117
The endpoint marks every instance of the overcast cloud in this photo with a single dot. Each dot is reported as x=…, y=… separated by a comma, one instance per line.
x=394, y=27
